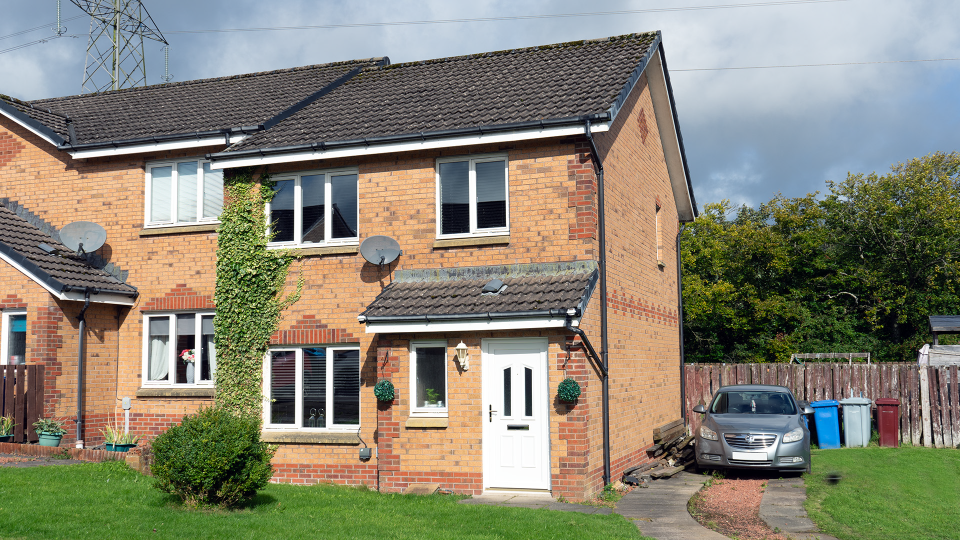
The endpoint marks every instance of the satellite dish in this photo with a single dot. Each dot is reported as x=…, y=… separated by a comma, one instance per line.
x=83, y=236
x=380, y=250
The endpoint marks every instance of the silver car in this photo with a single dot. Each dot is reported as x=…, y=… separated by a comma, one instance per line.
x=754, y=426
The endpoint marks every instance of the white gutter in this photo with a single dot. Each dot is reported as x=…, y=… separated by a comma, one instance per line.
x=479, y=325
x=72, y=296
x=429, y=144
x=29, y=128
x=154, y=147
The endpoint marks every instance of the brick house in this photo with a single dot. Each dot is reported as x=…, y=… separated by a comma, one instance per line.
x=489, y=170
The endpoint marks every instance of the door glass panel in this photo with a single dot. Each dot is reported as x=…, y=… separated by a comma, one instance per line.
x=527, y=392
x=346, y=387
x=161, y=191
x=315, y=387
x=507, y=386
x=313, y=187
x=455, y=197
x=187, y=191
x=281, y=211
x=343, y=210
x=283, y=387
x=491, y=195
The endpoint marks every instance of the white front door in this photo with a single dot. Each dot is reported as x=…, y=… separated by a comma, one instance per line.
x=516, y=433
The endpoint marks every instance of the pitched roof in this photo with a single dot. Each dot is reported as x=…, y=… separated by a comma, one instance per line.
x=187, y=107
x=564, y=80
x=60, y=271
x=528, y=290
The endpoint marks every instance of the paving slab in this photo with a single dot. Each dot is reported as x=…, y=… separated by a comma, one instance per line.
x=660, y=511
x=782, y=509
x=532, y=500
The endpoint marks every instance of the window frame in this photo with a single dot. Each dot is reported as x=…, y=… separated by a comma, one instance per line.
x=5, y=316
x=174, y=210
x=327, y=208
x=298, y=392
x=173, y=355
x=472, y=194
x=429, y=412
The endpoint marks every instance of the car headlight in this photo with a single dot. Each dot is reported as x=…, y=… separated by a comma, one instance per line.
x=708, y=433
x=794, y=436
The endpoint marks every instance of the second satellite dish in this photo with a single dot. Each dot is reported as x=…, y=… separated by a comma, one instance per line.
x=380, y=250
x=83, y=236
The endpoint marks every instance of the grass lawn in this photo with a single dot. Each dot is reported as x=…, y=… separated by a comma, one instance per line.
x=109, y=500
x=886, y=493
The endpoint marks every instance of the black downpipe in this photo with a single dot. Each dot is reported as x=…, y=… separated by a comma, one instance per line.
x=683, y=378
x=601, y=230
x=80, y=343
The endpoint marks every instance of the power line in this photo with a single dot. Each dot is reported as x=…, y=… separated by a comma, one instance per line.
x=43, y=40
x=508, y=18
x=28, y=30
x=820, y=65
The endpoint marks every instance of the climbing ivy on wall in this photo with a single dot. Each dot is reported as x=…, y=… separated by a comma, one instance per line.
x=249, y=291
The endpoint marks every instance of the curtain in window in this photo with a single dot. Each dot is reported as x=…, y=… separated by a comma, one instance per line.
x=187, y=191
x=491, y=195
x=161, y=192
x=431, y=365
x=344, y=206
x=455, y=197
x=158, y=359
x=212, y=192
x=346, y=387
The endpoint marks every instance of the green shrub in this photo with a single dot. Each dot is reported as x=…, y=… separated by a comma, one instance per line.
x=212, y=458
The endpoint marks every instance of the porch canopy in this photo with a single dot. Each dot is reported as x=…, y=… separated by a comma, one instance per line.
x=506, y=297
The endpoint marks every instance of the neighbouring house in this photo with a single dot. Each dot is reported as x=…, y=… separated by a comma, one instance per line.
x=536, y=195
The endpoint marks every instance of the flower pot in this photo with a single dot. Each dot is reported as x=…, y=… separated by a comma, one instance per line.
x=120, y=447
x=47, y=439
x=190, y=368
x=6, y=438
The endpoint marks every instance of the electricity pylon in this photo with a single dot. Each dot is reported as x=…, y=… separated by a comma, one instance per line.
x=115, y=57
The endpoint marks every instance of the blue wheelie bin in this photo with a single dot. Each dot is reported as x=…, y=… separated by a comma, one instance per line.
x=826, y=417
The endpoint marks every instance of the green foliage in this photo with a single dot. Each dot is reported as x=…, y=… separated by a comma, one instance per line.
x=49, y=426
x=384, y=390
x=212, y=458
x=6, y=425
x=113, y=435
x=856, y=271
x=432, y=395
x=568, y=390
x=249, y=291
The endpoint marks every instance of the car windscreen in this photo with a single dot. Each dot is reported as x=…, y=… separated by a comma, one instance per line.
x=753, y=402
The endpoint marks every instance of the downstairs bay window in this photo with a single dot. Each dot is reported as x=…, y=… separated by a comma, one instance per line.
x=312, y=388
x=179, y=350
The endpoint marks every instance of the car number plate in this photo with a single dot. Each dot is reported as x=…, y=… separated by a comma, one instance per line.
x=750, y=456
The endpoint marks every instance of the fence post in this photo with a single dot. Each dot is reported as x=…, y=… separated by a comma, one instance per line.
x=925, y=407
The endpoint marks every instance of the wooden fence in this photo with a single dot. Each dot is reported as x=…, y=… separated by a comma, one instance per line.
x=22, y=398
x=929, y=400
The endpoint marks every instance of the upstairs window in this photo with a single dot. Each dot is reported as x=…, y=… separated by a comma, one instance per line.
x=183, y=193
x=315, y=208
x=472, y=196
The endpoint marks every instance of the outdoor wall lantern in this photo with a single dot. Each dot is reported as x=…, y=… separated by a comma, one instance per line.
x=463, y=355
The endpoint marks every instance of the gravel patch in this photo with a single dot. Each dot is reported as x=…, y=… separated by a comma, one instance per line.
x=731, y=506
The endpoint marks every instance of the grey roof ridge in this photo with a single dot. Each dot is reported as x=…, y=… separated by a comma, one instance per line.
x=8, y=108
x=213, y=79
x=494, y=271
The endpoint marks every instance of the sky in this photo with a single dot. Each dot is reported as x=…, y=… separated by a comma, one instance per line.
x=749, y=134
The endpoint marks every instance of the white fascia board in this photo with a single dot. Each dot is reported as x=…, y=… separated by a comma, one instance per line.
x=154, y=147
x=467, y=325
x=28, y=127
x=669, y=140
x=73, y=296
x=411, y=146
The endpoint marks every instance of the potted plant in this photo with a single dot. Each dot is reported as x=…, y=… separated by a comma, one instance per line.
x=433, y=398
x=50, y=431
x=118, y=441
x=6, y=428
x=189, y=357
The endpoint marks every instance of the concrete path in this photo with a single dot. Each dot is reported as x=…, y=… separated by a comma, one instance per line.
x=782, y=509
x=660, y=510
x=532, y=500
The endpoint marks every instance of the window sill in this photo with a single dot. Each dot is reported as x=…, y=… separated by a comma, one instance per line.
x=176, y=392
x=476, y=241
x=179, y=229
x=308, y=437
x=325, y=250
x=427, y=422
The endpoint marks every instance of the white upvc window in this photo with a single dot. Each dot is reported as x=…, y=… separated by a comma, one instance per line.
x=183, y=192
x=472, y=196
x=428, y=376
x=315, y=208
x=13, y=341
x=178, y=349
x=312, y=388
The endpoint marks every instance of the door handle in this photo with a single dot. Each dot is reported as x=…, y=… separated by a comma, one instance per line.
x=492, y=412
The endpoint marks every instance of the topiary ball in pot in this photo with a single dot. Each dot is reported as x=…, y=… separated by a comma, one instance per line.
x=384, y=390
x=212, y=458
x=568, y=391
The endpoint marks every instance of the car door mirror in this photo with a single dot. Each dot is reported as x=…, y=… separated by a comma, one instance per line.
x=807, y=409
x=700, y=409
